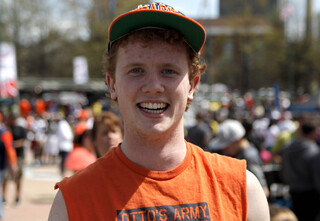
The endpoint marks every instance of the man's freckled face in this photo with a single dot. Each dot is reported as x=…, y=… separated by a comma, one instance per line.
x=152, y=85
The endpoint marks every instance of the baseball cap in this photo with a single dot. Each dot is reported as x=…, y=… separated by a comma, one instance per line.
x=158, y=15
x=229, y=131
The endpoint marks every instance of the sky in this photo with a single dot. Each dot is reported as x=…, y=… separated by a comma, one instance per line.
x=295, y=25
x=210, y=8
x=316, y=5
x=195, y=8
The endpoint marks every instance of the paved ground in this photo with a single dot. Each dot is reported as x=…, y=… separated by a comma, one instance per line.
x=37, y=194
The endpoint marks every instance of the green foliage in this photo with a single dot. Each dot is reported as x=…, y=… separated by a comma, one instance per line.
x=49, y=34
x=257, y=61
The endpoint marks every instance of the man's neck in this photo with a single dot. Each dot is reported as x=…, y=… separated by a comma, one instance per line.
x=159, y=153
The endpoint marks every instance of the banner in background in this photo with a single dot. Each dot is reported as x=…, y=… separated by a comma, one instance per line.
x=8, y=71
x=80, y=70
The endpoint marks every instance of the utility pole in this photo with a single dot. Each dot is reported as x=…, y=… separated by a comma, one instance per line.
x=1, y=30
x=308, y=31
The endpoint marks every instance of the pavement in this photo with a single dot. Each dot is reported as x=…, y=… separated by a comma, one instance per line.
x=37, y=193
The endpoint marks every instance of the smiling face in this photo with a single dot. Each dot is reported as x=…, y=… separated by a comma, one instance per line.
x=152, y=85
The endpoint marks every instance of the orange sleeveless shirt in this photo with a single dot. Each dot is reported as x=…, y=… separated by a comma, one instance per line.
x=204, y=187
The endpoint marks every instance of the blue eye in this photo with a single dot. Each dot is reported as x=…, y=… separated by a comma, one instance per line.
x=136, y=71
x=169, y=71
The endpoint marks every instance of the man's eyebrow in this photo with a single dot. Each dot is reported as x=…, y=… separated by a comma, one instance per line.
x=134, y=64
x=171, y=65
x=164, y=65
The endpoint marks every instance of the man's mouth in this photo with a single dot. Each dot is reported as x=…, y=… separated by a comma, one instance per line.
x=154, y=108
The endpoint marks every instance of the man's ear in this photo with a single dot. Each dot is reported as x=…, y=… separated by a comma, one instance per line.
x=112, y=86
x=193, y=85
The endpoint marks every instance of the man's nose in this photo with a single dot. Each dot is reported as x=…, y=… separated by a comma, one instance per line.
x=153, y=83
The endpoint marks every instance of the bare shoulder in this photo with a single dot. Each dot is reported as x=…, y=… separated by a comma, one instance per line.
x=58, y=210
x=258, y=208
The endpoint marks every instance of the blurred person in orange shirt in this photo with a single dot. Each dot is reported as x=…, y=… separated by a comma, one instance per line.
x=82, y=154
x=8, y=157
x=83, y=116
x=19, y=133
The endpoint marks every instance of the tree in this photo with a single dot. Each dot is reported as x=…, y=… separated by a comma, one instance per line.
x=49, y=34
x=99, y=17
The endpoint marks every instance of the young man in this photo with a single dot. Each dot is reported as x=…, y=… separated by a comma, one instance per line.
x=153, y=69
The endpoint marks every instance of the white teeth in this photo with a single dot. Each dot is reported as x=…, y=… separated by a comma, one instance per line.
x=153, y=107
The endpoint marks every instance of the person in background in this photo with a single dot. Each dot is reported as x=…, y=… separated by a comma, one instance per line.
x=106, y=132
x=38, y=128
x=287, y=133
x=8, y=157
x=65, y=140
x=81, y=156
x=301, y=171
x=199, y=134
x=82, y=118
x=153, y=68
x=51, y=149
x=281, y=213
x=19, y=134
x=232, y=142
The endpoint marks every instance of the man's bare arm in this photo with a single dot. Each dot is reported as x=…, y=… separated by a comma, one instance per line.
x=258, y=208
x=58, y=210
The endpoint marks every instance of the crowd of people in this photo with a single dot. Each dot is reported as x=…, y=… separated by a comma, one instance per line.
x=283, y=152
x=280, y=152
x=72, y=141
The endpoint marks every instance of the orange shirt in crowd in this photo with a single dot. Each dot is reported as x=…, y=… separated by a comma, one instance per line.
x=7, y=140
x=79, y=159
